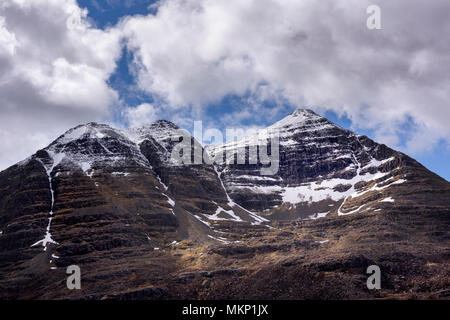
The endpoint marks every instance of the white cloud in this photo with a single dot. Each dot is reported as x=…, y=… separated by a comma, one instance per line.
x=141, y=115
x=313, y=53
x=53, y=73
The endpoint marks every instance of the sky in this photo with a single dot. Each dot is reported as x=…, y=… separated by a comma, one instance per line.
x=234, y=63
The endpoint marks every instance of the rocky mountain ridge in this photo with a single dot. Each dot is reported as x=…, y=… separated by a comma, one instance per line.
x=324, y=169
x=114, y=202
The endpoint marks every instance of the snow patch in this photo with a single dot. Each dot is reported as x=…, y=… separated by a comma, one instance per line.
x=316, y=191
x=219, y=210
x=316, y=216
x=169, y=200
x=162, y=183
x=99, y=135
x=376, y=188
x=48, y=236
x=223, y=240
x=377, y=163
x=202, y=221
x=86, y=167
x=340, y=213
x=352, y=193
x=125, y=174
x=258, y=178
x=230, y=202
x=258, y=219
x=73, y=134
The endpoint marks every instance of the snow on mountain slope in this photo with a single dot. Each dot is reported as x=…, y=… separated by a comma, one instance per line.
x=92, y=147
x=211, y=199
x=165, y=133
x=96, y=149
x=322, y=168
x=320, y=163
x=108, y=201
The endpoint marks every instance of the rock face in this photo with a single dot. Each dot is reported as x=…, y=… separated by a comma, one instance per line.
x=142, y=226
x=327, y=170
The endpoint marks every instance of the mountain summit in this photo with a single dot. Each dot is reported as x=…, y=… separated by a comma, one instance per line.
x=325, y=169
x=139, y=226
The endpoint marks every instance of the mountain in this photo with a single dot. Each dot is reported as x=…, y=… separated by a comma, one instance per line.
x=142, y=226
x=327, y=170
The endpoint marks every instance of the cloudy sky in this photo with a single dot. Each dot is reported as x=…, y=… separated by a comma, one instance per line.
x=230, y=63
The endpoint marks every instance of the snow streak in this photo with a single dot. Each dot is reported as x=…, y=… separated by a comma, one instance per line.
x=231, y=203
x=48, y=236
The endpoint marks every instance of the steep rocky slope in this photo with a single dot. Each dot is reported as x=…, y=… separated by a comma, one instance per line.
x=141, y=226
x=327, y=170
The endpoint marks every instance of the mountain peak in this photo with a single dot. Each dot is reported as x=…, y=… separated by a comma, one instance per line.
x=99, y=194
x=302, y=111
x=88, y=146
x=164, y=123
x=91, y=130
x=301, y=118
x=162, y=131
